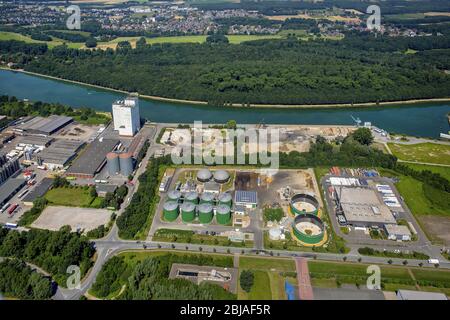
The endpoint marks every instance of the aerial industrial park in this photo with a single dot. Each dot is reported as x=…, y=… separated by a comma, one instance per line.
x=297, y=215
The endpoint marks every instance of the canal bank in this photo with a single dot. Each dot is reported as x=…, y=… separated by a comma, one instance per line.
x=427, y=120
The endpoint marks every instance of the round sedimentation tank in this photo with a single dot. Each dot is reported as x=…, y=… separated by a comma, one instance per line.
x=309, y=229
x=174, y=195
x=221, y=176
x=207, y=197
x=188, y=211
x=205, y=212
x=126, y=163
x=304, y=204
x=170, y=210
x=112, y=160
x=191, y=197
x=223, y=214
x=225, y=198
x=204, y=175
x=275, y=233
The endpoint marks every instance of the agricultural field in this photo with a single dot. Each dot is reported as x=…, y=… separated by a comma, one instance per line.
x=269, y=277
x=422, y=152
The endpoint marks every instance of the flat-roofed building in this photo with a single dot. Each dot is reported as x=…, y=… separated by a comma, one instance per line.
x=43, y=126
x=10, y=188
x=39, y=191
x=420, y=295
x=248, y=199
x=362, y=207
x=92, y=159
x=397, y=232
x=126, y=116
x=59, y=153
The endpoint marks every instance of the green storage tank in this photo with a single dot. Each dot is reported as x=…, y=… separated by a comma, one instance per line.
x=205, y=212
x=188, y=211
x=174, y=195
x=170, y=210
x=207, y=197
x=191, y=197
x=223, y=214
x=309, y=229
x=225, y=198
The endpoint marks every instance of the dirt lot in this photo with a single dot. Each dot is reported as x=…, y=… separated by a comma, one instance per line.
x=437, y=227
x=77, y=131
x=54, y=217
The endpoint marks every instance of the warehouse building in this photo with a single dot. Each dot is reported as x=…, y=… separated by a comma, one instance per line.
x=420, y=295
x=397, y=232
x=10, y=188
x=362, y=207
x=58, y=154
x=43, y=126
x=103, y=189
x=39, y=191
x=92, y=160
x=35, y=142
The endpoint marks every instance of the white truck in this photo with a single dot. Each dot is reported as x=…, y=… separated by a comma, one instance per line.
x=433, y=261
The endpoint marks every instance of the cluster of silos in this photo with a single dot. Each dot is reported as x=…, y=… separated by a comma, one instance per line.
x=191, y=205
x=120, y=163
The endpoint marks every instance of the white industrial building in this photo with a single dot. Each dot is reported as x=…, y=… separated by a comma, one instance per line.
x=126, y=116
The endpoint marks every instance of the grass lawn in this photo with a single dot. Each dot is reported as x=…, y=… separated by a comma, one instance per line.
x=72, y=197
x=261, y=289
x=443, y=171
x=422, y=152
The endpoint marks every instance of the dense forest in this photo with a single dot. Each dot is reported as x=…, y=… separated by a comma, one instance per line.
x=149, y=279
x=18, y=280
x=360, y=68
x=52, y=251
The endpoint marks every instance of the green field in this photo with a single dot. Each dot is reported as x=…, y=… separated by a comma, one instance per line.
x=412, y=191
x=19, y=37
x=443, y=171
x=422, y=152
x=72, y=197
x=328, y=274
x=267, y=264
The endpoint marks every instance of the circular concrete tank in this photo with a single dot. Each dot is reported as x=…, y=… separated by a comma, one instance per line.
x=304, y=204
x=308, y=228
x=204, y=175
x=275, y=233
x=174, y=195
x=221, y=176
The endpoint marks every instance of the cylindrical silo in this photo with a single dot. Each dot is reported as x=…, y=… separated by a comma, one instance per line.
x=170, y=210
x=204, y=175
x=126, y=163
x=112, y=159
x=207, y=197
x=221, y=176
x=188, y=211
x=174, y=195
x=191, y=197
x=223, y=214
x=205, y=212
x=225, y=198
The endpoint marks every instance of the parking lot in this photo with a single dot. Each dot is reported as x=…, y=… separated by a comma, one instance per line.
x=54, y=217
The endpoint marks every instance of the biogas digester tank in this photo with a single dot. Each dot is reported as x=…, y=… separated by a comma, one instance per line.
x=191, y=197
x=170, y=210
x=223, y=214
x=188, y=211
x=205, y=212
x=207, y=197
x=225, y=198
